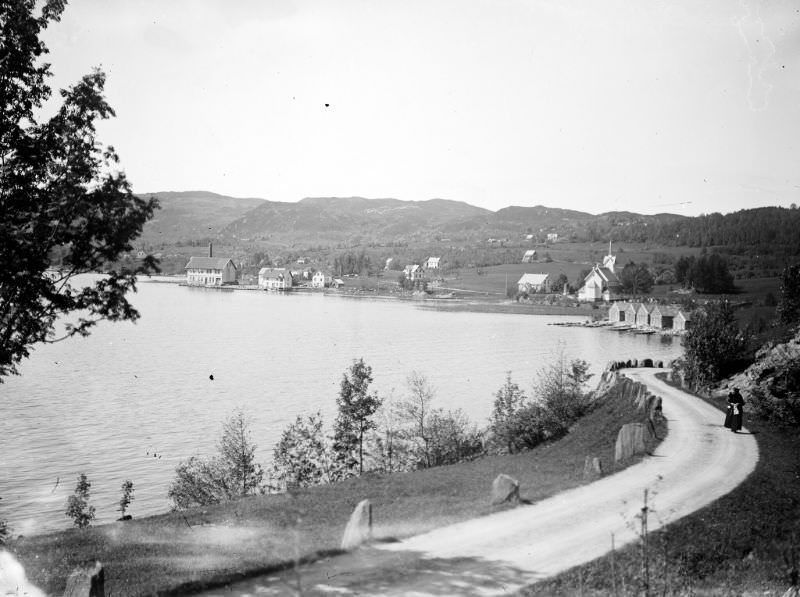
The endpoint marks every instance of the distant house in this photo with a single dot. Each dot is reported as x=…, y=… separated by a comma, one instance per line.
x=616, y=312
x=388, y=263
x=413, y=272
x=643, y=314
x=210, y=271
x=301, y=261
x=681, y=321
x=432, y=263
x=529, y=237
x=318, y=280
x=534, y=283
x=337, y=283
x=274, y=278
x=529, y=256
x=552, y=237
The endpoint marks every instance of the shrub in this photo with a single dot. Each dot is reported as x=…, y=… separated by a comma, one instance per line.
x=302, y=458
x=127, y=496
x=78, y=508
x=503, y=423
x=452, y=438
x=232, y=474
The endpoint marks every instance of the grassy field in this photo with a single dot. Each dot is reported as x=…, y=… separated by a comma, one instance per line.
x=738, y=545
x=201, y=547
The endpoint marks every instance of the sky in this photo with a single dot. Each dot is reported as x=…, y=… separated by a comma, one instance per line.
x=648, y=105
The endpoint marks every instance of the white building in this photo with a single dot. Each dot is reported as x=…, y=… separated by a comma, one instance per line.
x=534, y=283
x=210, y=271
x=274, y=278
x=318, y=280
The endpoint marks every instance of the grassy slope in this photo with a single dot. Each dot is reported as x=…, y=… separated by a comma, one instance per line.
x=732, y=546
x=259, y=534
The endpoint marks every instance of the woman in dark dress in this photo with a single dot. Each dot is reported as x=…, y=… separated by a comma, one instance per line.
x=733, y=418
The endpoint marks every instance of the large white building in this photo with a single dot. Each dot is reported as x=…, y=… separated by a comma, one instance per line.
x=210, y=271
x=274, y=278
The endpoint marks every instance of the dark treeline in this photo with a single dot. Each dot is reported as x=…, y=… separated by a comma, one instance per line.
x=749, y=231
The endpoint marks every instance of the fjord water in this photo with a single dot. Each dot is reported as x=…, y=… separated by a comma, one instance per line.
x=133, y=400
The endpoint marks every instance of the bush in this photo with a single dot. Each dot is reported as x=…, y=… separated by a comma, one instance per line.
x=232, y=474
x=78, y=508
x=127, y=496
x=452, y=438
x=302, y=458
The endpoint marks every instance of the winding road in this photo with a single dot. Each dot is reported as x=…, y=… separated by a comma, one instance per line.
x=698, y=462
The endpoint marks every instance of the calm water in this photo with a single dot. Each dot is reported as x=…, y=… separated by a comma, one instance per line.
x=131, y=401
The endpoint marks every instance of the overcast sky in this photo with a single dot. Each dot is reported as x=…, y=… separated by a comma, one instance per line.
x=681, y=106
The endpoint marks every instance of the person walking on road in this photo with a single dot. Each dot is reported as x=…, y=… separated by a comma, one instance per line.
x=733, y=418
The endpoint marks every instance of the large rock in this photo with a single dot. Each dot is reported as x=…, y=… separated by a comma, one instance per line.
x=86, y=581
x=592, y=468
x=633, y=439
x=359, y=527
x=505, y=489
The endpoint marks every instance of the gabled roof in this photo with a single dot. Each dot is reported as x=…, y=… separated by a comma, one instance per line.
x=667, y=310
x=647, y=308
x=533, y=279
x=274, y=273
x=607, y=275
x=209, y=263
x=412, y=268
x=634, y=306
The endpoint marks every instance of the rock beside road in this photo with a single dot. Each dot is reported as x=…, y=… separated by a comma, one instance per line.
x=505, y=489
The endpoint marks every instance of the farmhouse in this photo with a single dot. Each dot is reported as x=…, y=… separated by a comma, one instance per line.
x=529, y=256
x=552, y=237
x=274, y=278
x=413, y=272
x=432, y=263
x=534, y=283
x=319, y=279
x=210, y=271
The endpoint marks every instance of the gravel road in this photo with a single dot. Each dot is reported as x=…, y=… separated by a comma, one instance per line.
x=698, y=462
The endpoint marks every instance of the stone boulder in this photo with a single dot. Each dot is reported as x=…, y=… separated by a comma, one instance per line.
x=505, y=489
x=592, y=468
x=359, y=527
x=86, y=581
x=633, y=439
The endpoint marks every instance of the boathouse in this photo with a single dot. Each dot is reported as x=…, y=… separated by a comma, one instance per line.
x=663, y=316
x=681, y=321
x=616, y=313
x=643, y=314
x=630, y=312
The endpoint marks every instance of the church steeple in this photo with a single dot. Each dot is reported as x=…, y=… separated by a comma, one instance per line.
x=609, y=260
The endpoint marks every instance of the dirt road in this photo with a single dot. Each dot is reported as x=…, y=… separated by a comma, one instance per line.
x=698, y=462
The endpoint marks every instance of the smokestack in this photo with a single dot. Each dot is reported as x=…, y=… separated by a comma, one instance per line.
x=210, y=250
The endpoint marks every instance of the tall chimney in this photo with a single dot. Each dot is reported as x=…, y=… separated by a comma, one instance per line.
x=210, y=250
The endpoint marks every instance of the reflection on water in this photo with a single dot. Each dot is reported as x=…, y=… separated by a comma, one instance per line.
x=131, y=401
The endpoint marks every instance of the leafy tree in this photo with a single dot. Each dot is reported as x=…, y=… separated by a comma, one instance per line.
x=452, y=438
x=560, y=392
x=560, y=283
x=710, y=345
x=356, y=407
x=127, y=496
x=231, y=474
x=503, y=422
x=60, y=193
x=789, y=302
x=301, y=458
x=200, y=482
x=416, y=410
x=237, y=453
x=636, y=278
x=78, y=508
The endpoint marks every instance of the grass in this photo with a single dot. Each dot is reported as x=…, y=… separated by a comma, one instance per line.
x=177, y=552
x=734, y=546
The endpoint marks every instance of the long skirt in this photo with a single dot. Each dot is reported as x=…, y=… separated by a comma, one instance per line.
x=728, y=417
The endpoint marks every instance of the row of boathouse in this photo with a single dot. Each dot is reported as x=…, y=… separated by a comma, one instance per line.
x=654, y=315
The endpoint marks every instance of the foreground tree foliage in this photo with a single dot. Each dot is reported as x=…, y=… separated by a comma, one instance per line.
x=61, y=193
x=711, y=345
x=302, y=457
x=231, y=474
